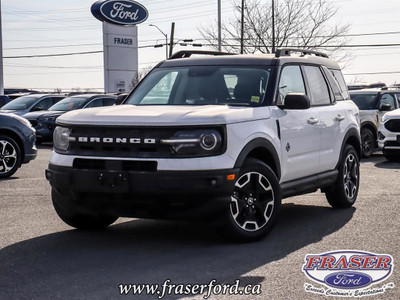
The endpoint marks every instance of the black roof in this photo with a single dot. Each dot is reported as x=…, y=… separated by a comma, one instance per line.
x=249, y=59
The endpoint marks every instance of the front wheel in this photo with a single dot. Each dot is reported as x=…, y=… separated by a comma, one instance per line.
x=255, y=203
x=344, y=192
x=79, y=220
x=10, y=156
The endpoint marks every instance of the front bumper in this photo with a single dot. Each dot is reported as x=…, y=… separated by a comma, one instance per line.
x=141, y=193
x=388, y=141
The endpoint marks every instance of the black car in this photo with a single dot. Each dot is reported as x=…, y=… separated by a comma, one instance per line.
x=17, y=143
x=44, y=121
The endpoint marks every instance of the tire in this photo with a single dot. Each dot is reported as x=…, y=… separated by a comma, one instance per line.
x=255, y=203
x=344, y=192
x=79, y=220
x=10, y=156
x=367, y=142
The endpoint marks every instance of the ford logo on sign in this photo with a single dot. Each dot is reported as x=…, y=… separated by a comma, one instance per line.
x=121, y=12
x=348, y=280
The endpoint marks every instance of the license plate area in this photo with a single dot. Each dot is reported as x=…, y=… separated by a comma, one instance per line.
x=102, y=182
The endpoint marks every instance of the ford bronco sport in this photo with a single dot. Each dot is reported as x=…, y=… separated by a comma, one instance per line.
x=221, y=136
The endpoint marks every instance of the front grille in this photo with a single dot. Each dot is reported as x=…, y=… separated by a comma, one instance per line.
x=112, y=148
x=393, y=125
x=116, y=165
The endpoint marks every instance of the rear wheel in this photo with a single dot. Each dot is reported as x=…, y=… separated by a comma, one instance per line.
x=368, y=142
x=79, y=220
x=344, y=192
x=10, y=156
x=255, y=203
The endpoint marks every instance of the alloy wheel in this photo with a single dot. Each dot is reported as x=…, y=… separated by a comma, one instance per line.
x=8, y=157
x=252, y=201
x=350, y=176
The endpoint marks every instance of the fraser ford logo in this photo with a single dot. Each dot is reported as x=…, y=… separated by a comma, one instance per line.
x=348, y=273
x=121, y=12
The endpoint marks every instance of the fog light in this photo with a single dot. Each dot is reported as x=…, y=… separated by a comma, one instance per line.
x=381, y=136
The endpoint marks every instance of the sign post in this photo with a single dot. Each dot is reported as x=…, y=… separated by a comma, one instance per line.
x=120, y=41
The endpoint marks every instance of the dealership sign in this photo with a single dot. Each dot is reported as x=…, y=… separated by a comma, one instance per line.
x=120, y=12
x=348, y=273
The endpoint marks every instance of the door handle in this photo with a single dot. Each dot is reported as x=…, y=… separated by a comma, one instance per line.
x=312, y=121
x=339, y=118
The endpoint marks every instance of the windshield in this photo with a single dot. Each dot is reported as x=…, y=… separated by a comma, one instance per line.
x=202, y=85
x=69, y=103
x=365, y=101
x=20, y=103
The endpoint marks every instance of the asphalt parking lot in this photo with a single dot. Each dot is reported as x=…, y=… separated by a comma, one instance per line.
x=42, y=258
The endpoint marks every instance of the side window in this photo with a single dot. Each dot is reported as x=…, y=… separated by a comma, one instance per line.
x=43, y=104
x=333, y=84
x=342, y=84
x=388, y=99
x=56, y=99
x=319, y=91
x=95, y=103
x=108, y=101
x=291, y=81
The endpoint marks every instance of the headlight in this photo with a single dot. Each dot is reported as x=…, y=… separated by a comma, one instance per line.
x=61, y=138
x=195, y=142
x=22, y=120
x=47, y=119
x=385, y=118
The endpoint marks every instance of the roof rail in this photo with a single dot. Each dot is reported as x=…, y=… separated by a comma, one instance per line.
x=188, y=53
x=288, y=51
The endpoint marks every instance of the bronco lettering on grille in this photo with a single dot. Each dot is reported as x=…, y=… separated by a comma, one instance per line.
x=109, y=140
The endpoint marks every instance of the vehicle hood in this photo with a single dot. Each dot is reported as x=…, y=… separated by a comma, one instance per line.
x=34, y=115
x=8, y=111
x=394, y=114
x=54, y=113
x=153, y=115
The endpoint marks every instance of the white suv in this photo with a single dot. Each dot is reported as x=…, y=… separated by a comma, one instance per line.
x=224, y=137
x=389, y=135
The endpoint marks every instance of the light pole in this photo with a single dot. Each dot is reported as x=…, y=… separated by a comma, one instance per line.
x=166, y=39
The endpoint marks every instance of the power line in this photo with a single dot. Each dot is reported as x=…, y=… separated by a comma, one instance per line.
x=51, y=55
x=373, y=73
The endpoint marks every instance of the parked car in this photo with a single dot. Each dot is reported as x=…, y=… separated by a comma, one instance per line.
x=373, y=103
x=44, y=121
x=29, y=103
x=4, y=100
x=181, y=145
x=17, y=143
x=389, y=135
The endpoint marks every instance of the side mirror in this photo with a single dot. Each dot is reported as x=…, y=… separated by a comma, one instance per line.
x=37, y=109
x=385, y=107
x=296, y=101
x=120, y=99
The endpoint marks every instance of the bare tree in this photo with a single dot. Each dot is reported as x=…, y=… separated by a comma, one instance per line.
x=306, y=24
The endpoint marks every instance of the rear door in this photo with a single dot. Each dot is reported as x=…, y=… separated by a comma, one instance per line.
x=300, y=130
x=332, y=115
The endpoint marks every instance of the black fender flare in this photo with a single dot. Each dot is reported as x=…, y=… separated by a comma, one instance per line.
x=352, y=133
x=264, y=144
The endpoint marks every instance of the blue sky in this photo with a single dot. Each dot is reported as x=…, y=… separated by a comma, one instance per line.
x=59, y=26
